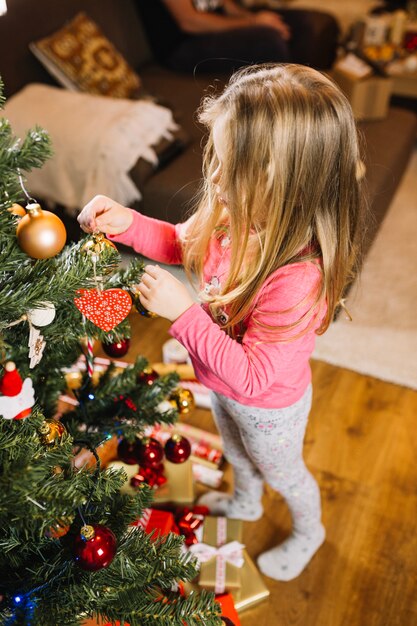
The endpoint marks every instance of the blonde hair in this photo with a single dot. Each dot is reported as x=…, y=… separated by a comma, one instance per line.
x=289, y=172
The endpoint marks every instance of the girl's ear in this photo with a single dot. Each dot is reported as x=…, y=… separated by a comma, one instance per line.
x=360, y=170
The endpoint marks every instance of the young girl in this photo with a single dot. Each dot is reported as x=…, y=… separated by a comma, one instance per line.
x=273, y=243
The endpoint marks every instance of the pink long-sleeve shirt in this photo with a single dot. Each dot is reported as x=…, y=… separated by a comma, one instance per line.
x=258, y=370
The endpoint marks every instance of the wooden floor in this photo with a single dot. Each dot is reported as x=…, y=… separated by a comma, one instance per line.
x=361, y=445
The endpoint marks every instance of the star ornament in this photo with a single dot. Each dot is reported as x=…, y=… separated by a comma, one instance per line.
x=106, y=309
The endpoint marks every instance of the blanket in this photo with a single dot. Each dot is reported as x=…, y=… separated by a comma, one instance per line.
x=96, y=141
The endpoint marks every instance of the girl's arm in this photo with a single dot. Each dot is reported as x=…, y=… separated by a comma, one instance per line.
x=250, y=368
x=153, y=238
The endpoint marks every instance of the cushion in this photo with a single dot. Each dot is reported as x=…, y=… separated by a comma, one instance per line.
x=81, y=58
x=90, y=158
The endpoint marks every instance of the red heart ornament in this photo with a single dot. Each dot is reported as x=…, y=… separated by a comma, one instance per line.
x=105, y=308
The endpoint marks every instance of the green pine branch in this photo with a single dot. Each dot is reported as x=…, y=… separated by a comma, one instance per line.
x=44, y=498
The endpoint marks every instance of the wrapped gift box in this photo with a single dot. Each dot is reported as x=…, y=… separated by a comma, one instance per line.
x=217, y=572
x=369, y=96
x=157, y=522
x=252, y=589
x=179, y=488
x=228, y=608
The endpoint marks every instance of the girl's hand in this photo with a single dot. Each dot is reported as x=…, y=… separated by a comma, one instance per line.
x=163, y=294
x=105, y=215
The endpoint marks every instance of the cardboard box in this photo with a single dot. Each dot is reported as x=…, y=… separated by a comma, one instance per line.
x=369, y=96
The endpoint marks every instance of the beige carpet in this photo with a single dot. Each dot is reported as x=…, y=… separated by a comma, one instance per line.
x=381, y=341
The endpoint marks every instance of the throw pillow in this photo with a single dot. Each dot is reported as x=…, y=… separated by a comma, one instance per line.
x=81, y=58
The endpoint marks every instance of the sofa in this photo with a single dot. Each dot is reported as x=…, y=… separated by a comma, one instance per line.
x=168, y=192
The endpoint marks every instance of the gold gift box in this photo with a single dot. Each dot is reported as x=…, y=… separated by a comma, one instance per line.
x=179, y=488
x=207, y=578
x=252, y=589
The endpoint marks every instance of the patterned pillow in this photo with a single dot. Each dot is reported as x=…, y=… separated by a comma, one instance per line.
x=81, y=58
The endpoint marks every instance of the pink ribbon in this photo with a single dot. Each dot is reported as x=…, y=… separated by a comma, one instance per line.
x=227, y=553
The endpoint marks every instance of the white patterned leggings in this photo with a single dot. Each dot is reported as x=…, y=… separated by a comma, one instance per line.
x=267, y=445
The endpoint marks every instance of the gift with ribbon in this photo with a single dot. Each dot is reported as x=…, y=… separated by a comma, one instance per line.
x=189, y=520
x=252, y=588
x=219, y=553
x=156, y=522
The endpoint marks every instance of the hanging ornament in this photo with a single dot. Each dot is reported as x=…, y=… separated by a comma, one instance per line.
x=18, y=396
x=127, y=451
x=106, y=309
x=139, y=306
x=182, y=400
x=41, y=234
x=58, y=529
x=96, y=244
x=149, y=452
x=73, y=380
x=51, y=433
x=16, y=209
x=147, y=376
x=42, y=315
x=94, y=547
x=36, y=345
x=177, y=449
x=116, y=349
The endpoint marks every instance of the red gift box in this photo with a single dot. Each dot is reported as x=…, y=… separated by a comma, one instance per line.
x=228, y=608
x=157, y=520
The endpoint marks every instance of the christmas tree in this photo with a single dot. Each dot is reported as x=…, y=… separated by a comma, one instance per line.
x=68, y=550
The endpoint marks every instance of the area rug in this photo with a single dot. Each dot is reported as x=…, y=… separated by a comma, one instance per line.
x=381, y=341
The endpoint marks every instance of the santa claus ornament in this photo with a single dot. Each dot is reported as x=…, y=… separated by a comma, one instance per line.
x=18, y=397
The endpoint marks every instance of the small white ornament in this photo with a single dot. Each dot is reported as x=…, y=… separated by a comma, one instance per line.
x=36, y=345
x=42, y=315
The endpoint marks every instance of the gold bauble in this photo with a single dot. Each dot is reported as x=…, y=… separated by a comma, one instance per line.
x=41, y=234
x=74, y=380
x=139, y=306
x=51, y=433
x=96, y=244
x=182, y=400
x=18, y=210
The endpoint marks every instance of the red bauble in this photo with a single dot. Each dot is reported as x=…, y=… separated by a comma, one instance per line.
x=148, y=376
x=96, y=552
x=117, y=349
x=149, y=452
x=128, y=452
x=177, y=449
